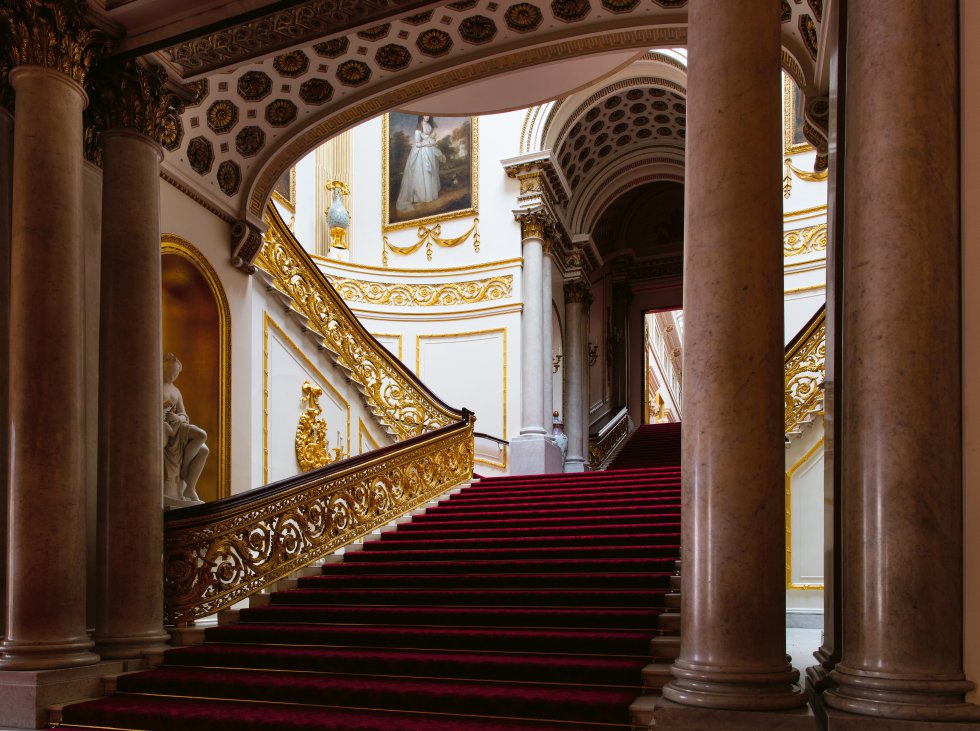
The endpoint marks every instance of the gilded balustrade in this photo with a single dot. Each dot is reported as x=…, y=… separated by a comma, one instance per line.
x=395, y=395
x=601, y=445
x=219, y=553
x=804, y=371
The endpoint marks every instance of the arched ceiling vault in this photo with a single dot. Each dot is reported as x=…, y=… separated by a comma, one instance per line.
x=249, y=121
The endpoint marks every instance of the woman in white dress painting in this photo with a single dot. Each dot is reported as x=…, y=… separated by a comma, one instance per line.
x=420, y=181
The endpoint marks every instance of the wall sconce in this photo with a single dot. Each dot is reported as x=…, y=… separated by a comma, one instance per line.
x=593, y=354
x=556, y=363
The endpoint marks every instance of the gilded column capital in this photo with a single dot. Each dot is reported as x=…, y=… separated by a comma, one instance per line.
x=533, y=223
x=132, y=96
x=52, y=34
x=577, y=291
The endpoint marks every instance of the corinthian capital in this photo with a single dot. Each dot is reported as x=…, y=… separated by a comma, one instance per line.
x=534, y=223
x=577, y=291
x=52, y=34
x=135, y=97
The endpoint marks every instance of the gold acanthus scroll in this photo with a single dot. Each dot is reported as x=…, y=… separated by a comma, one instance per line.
x=312, y=444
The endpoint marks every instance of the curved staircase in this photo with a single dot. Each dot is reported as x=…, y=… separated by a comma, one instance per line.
x=517, y=603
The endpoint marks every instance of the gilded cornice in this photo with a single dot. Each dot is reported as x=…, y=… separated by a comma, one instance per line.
x=52, y=34
x=807, y=240
x=423, y=295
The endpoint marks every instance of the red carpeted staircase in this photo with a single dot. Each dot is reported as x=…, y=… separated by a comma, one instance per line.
x=518, y=603
x=650, y=445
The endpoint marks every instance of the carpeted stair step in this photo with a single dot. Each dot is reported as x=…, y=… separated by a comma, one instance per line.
x=653, y=500
x=421, y=663
x=492, y=491
x=173, y=714
x=491, y=516
x=439, y=532
x=465, y=581
x=667, y=547
x=537, y=565
x=476, y=597
x=600, y=538
x=483, y=698
x=632, y=643
x=634, y=618
x=583, y=523
x=573, y=478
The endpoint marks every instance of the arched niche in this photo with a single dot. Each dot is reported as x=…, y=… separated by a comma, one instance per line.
x=197, y=329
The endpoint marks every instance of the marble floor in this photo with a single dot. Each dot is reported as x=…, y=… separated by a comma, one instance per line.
x=801, y=644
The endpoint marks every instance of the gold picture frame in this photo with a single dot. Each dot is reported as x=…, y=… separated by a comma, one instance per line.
x=460, y=200
x=793, y=140
x=284, y=190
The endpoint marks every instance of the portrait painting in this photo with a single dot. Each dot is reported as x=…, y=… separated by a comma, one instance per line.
x=430, y=169
x=284, y=190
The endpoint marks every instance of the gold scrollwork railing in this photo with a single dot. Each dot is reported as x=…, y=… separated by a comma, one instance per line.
x=399, y=400
x=219, y=553
x=601, y=445
x=804, y=371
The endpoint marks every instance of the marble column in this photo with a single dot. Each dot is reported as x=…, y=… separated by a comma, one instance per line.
x=6, y=193
x=733, y=651
x=532, y=451
x=548, y=336
x=46, y=624
x=902, y=483
x=129, y=599
x=622, y=297
x=576, y=373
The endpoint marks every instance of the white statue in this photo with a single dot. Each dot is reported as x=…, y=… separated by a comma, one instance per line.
x=184, y=448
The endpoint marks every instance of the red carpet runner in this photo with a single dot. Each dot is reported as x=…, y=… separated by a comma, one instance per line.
x=520, y=603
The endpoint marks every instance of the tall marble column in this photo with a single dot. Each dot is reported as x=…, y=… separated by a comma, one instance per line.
x=6, y=192
x=902, y=484
x=532, y=451
x=129, y=598
x=576, y=373
x=733, y=652
x=547, y=336
x=46, y=538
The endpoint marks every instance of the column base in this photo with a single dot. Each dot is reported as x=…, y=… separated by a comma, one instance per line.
x=732, y=689
x=842, y=721
x=576, y=464
x=125, y=647
x=15, y=655
x=25, y=695
x=902, y=698
x=533, y=454
x=672, y=716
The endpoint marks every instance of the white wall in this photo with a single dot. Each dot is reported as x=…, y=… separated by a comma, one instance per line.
x=805, y=509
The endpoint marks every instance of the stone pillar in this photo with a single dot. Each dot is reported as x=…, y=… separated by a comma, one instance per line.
x=532, y=451
x=6, y=192
x=46, y=541
x=622, y=297
x=129, y=598
x=547, y=336
x=902, y=482
x=733, y=651
x=576, y=373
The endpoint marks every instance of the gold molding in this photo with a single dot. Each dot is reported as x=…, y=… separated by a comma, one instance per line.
x=489, y=266
x=179, y=246
x=429, y=235
x=807, y=240
x=362, y=433
x=397, y=336
x=789, y=525
x=804, y=212
x=267, y=320
x=439, y=336
x=312, y=440
x=423, y=295
x=474, y=208
x=799, y=290
x=403, y=405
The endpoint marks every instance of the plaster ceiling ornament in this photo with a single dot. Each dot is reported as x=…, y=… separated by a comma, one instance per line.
x=229, y=177
x=249, y=140
x=200, y=155
x=407, y=51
